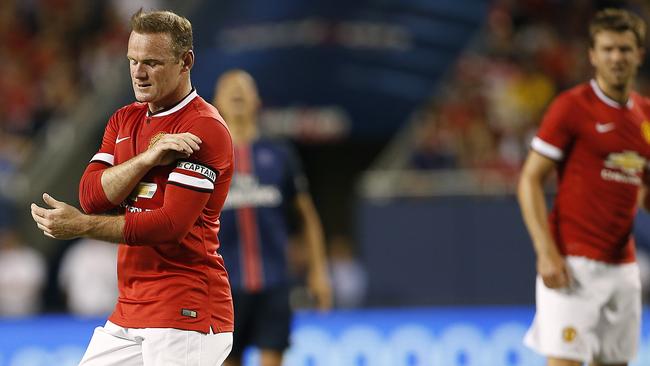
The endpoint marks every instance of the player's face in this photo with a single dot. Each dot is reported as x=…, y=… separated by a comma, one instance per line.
x=616, y=57
x=237, y=97
x=156, y=73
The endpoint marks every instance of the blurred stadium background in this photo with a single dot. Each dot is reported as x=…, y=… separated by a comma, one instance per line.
x=412, y=118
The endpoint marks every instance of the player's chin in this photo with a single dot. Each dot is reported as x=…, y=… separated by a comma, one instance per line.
x=141, y=96
x=616, y=81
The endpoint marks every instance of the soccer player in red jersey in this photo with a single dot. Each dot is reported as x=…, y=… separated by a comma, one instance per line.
x=597, y=137
x=164, y=168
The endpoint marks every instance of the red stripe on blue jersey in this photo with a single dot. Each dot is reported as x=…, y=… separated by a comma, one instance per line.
x=252, y=273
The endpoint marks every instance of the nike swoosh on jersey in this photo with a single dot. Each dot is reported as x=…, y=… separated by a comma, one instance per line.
x=118, y=140
x=605, y=127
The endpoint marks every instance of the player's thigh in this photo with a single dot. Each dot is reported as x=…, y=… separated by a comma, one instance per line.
x=270, y=358
x=565, y=319
x=176, y=347
x=273, y=320
x=245, y=306
x=621, y=316
x=111, y=345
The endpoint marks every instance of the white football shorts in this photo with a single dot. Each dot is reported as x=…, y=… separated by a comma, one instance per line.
x=112, y=345
x=596, y=319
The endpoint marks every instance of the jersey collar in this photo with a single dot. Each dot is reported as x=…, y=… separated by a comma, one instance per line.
x=607, y=100
x=176, y=107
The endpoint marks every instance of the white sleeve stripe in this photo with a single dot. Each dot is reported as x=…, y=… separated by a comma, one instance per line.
x=191, y=181
x=107, y=158
x=546, y=149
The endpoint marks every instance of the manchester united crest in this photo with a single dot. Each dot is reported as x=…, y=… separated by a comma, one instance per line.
x=156, y=138
x=645, y=131
x=569, y=334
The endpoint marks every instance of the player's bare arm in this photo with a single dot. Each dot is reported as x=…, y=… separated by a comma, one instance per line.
x=643, y=199
x=550, y=263
x=119, y=181
x=171, y=222
x=318, y=280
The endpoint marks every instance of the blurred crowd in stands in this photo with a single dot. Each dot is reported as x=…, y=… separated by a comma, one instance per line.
x=489, y=107
x=53, y=52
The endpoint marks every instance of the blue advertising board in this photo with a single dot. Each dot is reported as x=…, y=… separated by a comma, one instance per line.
x=468, y=336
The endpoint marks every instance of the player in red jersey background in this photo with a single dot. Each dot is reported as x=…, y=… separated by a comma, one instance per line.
x=597, y=137
x=160, y=179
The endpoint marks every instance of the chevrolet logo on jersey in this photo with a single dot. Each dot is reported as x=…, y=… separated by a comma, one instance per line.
x=143, y=190
x=645, y=131
x=629, y=162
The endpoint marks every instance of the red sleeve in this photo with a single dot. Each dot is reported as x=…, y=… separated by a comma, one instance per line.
x=168, y=224
x=209, y=167
x=556, y=131
x=92, y=197
x=216, y=149
x=189, y=187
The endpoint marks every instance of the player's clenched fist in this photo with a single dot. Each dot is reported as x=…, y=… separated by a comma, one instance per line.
x=554, y=271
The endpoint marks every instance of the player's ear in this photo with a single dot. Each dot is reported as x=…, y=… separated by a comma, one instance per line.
x=188, y=60
x=592, y=56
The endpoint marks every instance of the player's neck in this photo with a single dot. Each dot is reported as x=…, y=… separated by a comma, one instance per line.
x=183, y=90
x=619, y=94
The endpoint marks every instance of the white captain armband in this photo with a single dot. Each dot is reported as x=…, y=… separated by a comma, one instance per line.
x=193, y=176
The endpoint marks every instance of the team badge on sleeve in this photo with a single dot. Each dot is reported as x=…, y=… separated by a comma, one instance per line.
x=193, y=176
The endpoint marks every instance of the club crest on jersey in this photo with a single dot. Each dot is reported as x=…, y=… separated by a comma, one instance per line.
x=156, y=138
x=645, y=131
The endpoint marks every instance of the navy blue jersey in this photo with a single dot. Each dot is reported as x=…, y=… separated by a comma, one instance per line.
x=255, y=220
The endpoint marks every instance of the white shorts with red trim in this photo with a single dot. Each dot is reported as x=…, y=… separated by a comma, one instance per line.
x=597, y=319
x=112, y=345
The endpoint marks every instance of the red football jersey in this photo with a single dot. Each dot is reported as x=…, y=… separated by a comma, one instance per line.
x=168, y=276
x=602, y=149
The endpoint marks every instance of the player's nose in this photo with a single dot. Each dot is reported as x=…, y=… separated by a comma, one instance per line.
x=138, y=72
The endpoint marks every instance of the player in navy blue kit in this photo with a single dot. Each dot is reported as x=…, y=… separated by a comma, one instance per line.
x=267, y=186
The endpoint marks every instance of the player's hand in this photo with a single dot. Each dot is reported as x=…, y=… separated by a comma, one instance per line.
x=172, y=147
x=553, y=270
x=60, y=221
x=319, y=287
